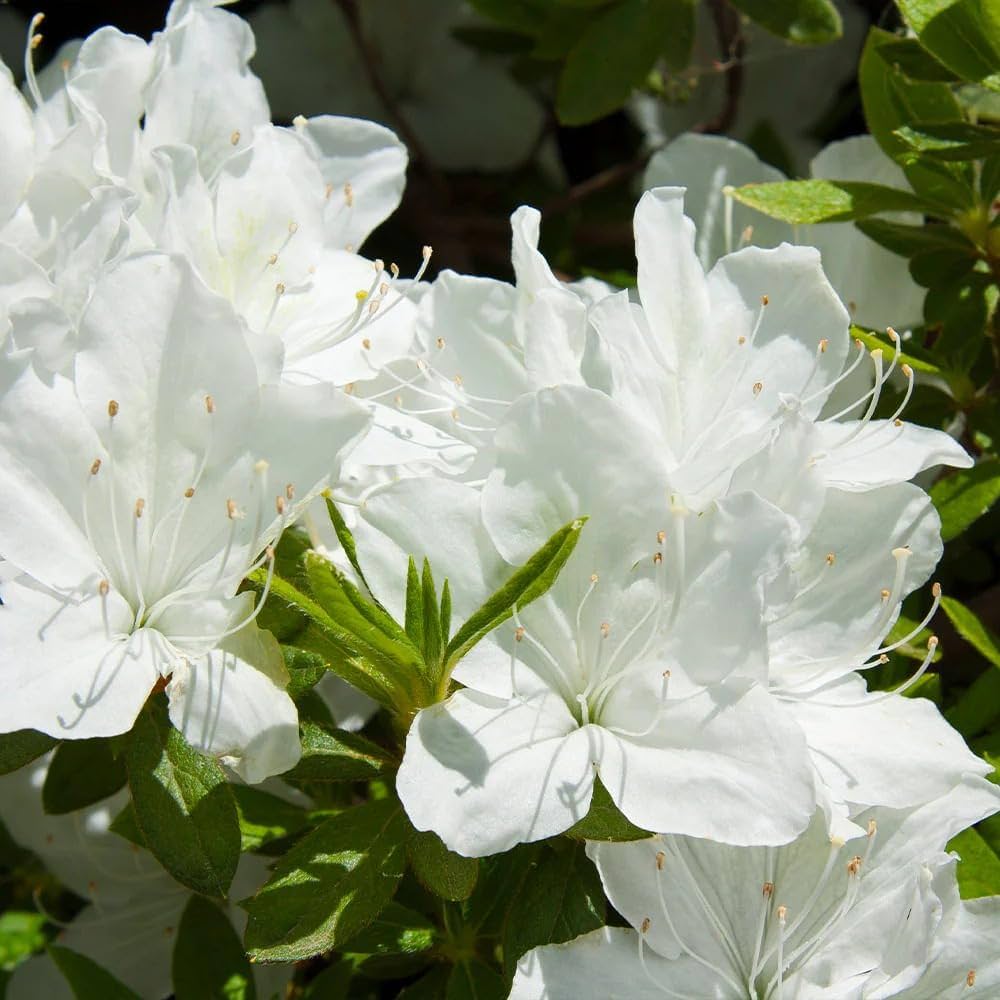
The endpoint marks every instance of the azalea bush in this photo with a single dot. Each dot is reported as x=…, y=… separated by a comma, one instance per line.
x=408, y=592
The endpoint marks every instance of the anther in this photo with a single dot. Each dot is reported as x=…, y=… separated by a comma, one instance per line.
x=854, y=866
x=379, y=265
x=36, y=40
x=279, y=505
x=519, y=633
x=605, y=629
x=394, y=268
x=95, y=466
x=823, y=345
x=235, y=137
x=768, y=890
x=140, y=506
x=349, y=389
x=189, y=492
x=661, y=858
x=657, y=558
x=758, y=387
x=594, y=578
x=872, y=828
x=830, y=558
x=272, y=259
x=426, y=252
x=103, y=587
x=261, y=466
x=279, y=288
x=373, y=307
x=782, y=914
x=741, y=341
x=440, y=343
x=232, y=511
x=764, y=300
x=349, y=194
x=661, y=537
x=932, y=642
x=644, y=926
x=327, y=190
x=936, y=589
x=897, y=422
x=209, y=404
x=112, y=407
x=366, y=343
x=892, y=335
x=293, y=228
x=885, y=594
x=970, y=978
x=289, y=491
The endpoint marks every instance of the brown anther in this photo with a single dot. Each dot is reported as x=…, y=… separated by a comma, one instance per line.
x=858, y=342
x=970, y=978
x=397, y=399
x=95, y=466
x=366, y=344
x=36, y=40
x=279, y=288
x=327, y=190
x=830, y=558
x=209, y=404
x=231, y=509
x=767, y=891
x=289, y=491
x=892, y=335
x=883, y=659
x=373, y=306
x=168, y=932
x=440, y=343
x=383, y=289
x=349, y=194
x=112, y=407
x=764, y=300
x=349, y=389
x=823, y=345
x=906, y=370
x=189, y=492
x=593, y=578
x=661, y=537
x=936, y=589
x=235, y=137
x=758, y=388
x=519, y=633
x=279, y=505
x=644, y=926
x=140, y=506
x=897, y=422
x=458, y=381
x=103, y=587
x=885, y=594
x=657, y=558
x=741, y=341
x=661, y=858
x=782, y=913
x=852, y=306
x=605, y=629
x=854, y=866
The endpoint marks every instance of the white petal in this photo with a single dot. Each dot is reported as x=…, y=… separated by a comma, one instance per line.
x=17, y=151
x=486, y=774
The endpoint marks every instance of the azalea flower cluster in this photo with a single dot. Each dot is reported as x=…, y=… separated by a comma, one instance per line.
x=192, y=351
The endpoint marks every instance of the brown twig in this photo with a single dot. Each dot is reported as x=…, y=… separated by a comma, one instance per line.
x=732, y=46
x=600, y=181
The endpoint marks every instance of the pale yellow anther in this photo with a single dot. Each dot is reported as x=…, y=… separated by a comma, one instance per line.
x=293, y=228
x=458, y=381
x=440, y=343
x=767, y=891
x=594, y=578
x=519, y=633
x=349, y=194
x=661, y=859
x=885, y=594
x=383, y=289
x=349, y=389
x=366, y=344
x=764, y=300
x=831, y=558
x=261, y=466
x=36, y=40
x=397, y=399
x=289, y=491
x=892, y=335
x=605, y=629
x=95, y=466
x=872, y=827
x=741, y=341
x=426, y=252
x=454, y=414
x=758, y=388
x=657, y=558
x=379, y=265
x=906, y=370
x=279, y=505
x=327, y=190
x=935, y=589
x=932, y=642
x=782, y=914
x=661, y=536
x=823, y=345
x=103, y=587
x=883, y=659
x=858, y=342
x=747, y=235
x=232, y=511
x=113, y=407
x=644, y=926
x=140, y=506
x=209, y=404
x=897, y=422
x=235, y=137
x=394, y=269
x=279, y=288
x=189, y=492
x=837, y=842
x=373, y=306
x=877, y=354
x=272, y=259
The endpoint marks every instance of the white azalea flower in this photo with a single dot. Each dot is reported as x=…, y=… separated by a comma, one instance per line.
x=130, y=925
x=877, y=916
x=139, y=496
x=622, y=670
x=873, y=283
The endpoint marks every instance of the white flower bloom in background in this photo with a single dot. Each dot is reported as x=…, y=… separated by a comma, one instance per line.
x=872, y=282
x=439, y=86
x=622, y=670
x=877, y=916
x=139, y=495
x=130, y=925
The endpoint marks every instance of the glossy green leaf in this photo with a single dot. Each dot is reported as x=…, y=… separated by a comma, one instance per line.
x=22, y=933
x=526, y=585
x=87, y=979
x=81, y=773
x=472, y=979
x=305, y=670
x=611, y=57
x=813, y=201
x=208, y=960
x=917, y=363
x=604, y=820
x=907, y=240
x=972, y=630
x=346, y=539
x=265, y=817
x=330, y=754
x=951, y=140
x=805, y=22
x=978, y=708
x=183, y=804
x=22, y=747
x=964, y=496
x=397, y=930
x=330, y=885
x=443, y=872
x=909, y=56
x=979, y=870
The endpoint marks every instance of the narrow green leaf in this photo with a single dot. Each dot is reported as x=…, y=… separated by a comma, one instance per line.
x=962, y=34
x=265, y=817
x=562, y=899
x=814, y=201
x=612, y=56
x=529, y=582
x=432, y=617
x=81, y=772
x=330, y=885
x=972, y=630
x=918, y=364
x=183, y=804
x=979, y=870
x=305, y=670
x=909, y=56
x=951, y=140
x=87, y=979
x=978, y=709
x=445, y=613
x=966, y=495
x=414, y=620
x=908, y=240
x=805, y=22
x=346, y=539
x=22, y=747
x=604, y=820
x=330, y=754
x=397, y=930
x=443, y=872
x=208, y=960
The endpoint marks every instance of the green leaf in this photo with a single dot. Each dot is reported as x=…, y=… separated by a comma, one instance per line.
x=972, y=630
x=183, y=804
x=265, y=817
x=964, y=496
x=909, y=240
x=413, y=623
x=330, y=754
x=679, y=41
x=81, y=773
x=330, y=885
x=951, y=140
x=918, y=364
x=87, y=979
x=22, y=747
x=397, y=930
x=525, y=16
x=501, y=879
x=931, y=268
x=908, y=55
x=964, y=35
x=604, y=820
x=958, y=311
x=445, y=613
x=612, y=56
x=432, y=618
x=805, y=22
x=333, y=983
x=443, y=872
x=22, y=933
x=305, y=670
x=813, y=201
x=208, y=961
x=562, y=899
x=979, y=870
x=979, y=707
x=471, y=979
x=346, y=539
x=126, y=825
x=529, y=582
